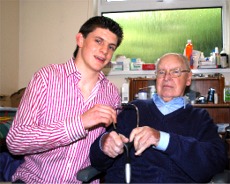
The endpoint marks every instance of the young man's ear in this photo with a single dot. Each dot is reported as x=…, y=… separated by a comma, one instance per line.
x=79, y=39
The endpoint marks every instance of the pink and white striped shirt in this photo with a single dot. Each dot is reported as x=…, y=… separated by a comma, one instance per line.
x=47, y=127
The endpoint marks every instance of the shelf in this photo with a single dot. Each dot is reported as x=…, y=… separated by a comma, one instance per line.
x=218, y=70
x=225, y=105
x=140, y=72
x=150, y=73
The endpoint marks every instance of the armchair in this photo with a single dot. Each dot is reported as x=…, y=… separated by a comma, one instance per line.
x=90, y=173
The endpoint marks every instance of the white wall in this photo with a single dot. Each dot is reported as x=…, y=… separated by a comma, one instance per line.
x=9, y=45
x=47, y=32
x=35, y=33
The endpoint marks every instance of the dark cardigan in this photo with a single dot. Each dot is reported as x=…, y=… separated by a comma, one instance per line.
x=195, y=152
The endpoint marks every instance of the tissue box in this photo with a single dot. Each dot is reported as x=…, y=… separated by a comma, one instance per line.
x=135, y=66
x=117, y=66
x=148, y=66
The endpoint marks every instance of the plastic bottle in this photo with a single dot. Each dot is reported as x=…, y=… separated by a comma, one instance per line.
x=217, y=57
x=223, y=59
x=227, y=92
x=215, y=98
x=188, y=52
x=125, y=92
x=152, y=91
x=212, y=58
x=210, y=98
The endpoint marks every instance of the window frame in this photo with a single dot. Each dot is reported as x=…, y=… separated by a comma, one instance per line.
x=105, y=6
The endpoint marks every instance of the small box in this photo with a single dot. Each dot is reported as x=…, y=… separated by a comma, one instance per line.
x=135, y=66
x=117, y=66
x=148, y=66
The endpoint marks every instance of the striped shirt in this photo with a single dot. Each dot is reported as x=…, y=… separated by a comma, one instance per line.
x=48, y=129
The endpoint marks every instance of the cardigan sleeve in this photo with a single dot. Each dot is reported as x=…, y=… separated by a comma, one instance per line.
x=97, y=156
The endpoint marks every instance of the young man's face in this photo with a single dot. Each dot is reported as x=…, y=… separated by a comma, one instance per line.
x=96, y=50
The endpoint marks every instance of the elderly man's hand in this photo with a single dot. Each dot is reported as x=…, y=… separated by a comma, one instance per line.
x=144, y=137
x=113, y=144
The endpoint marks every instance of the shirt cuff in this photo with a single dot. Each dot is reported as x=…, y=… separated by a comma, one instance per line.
x=101, y=140
x=74, y=128
x=163, y=142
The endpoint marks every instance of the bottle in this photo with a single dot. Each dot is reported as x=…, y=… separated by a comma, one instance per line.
x=125, y=92
x=227, y=92
x=215, y=98
x=188, y=52
x=210, y=98
x=223, y=59
x=152, y=91
x=217, y=57
x=212, y=58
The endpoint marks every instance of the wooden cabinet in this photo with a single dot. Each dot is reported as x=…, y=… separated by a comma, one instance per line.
x=202, y=85
x=135, y=84
x=219, y=112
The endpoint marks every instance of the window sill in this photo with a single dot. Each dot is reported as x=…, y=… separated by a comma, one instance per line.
x=151, y=72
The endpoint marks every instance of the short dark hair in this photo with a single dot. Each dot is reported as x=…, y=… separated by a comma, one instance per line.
x=100, y=22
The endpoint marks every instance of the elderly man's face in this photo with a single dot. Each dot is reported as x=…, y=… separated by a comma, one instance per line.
x=169, y=86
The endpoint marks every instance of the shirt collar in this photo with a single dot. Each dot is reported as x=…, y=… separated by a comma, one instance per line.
x=171, y=106
x=71, y=68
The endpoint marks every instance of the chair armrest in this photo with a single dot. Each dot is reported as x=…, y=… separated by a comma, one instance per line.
x=223, y=177
x=88, y=173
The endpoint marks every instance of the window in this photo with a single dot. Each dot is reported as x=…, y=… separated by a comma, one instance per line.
x=154, y=27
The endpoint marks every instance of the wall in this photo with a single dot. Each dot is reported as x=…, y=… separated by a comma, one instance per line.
x=47, y=32
x=37, y=33
x=9, y=45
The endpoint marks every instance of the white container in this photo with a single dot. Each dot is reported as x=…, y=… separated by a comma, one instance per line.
x=142, y=95
x=223, y=59
x=152, y=91
x=126, y=64
x=125, y=92
x=215, y=98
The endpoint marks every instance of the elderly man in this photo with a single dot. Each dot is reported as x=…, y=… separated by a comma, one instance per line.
x=174, y=142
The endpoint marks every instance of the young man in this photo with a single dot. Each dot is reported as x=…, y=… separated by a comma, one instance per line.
x=174, y=143
x=66, y=107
